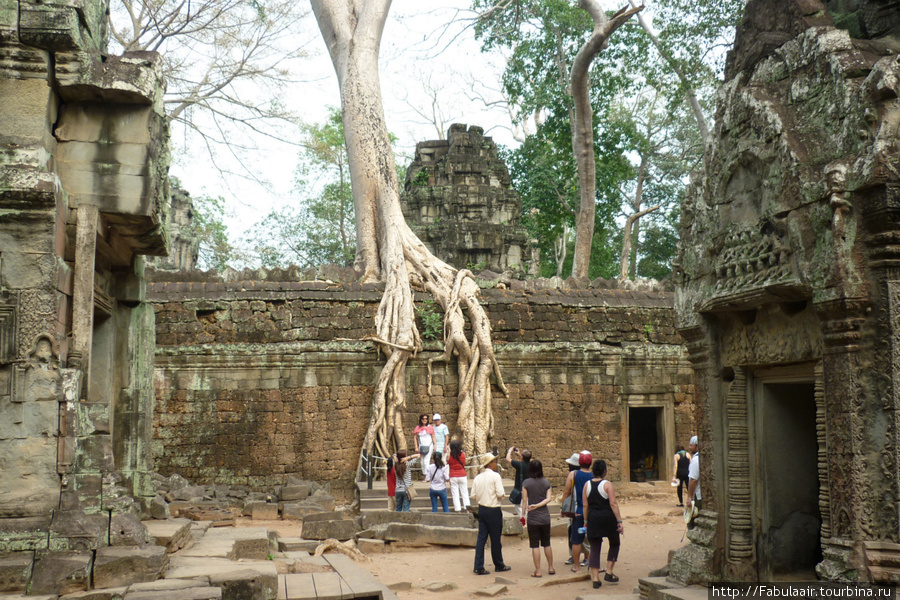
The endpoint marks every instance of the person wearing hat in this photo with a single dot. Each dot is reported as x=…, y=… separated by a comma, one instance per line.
x=441, y=435
x=575, y=485
x=487, y=491
x=572, y=462
x=693, y=502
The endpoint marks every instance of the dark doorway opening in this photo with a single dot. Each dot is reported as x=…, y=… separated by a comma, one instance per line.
x=644, y=438
x=789, y=543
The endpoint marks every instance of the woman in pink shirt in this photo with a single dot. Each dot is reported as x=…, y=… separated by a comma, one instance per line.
x=459, y=483
x=425, y=441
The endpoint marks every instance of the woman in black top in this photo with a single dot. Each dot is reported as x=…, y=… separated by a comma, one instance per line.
x=682, y=462
x=602, y=520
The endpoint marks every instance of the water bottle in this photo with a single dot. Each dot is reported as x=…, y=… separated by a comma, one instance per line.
x=582, y=530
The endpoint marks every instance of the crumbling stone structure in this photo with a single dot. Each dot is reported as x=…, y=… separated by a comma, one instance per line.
x=258, y=379
x=458, y=199
x=82, y=198
x=788, y=298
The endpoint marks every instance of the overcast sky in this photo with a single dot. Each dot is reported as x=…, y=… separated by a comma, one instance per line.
x=416, y=53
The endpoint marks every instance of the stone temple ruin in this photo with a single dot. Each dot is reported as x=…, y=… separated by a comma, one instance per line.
x=458, y=199
x=789, y=301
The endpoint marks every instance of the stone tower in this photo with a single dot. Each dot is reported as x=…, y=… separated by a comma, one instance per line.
x=458, y=199
x=82, y=199
x=788, y=296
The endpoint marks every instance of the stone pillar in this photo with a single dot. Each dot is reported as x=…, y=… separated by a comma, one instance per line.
x=88, y=219
x=700, y=562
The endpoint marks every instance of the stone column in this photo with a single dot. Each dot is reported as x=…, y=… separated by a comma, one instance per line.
x=701, y=560
x=841, y=478
x=87, y=222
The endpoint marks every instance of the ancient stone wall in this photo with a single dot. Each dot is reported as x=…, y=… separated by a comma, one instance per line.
x=258, y=379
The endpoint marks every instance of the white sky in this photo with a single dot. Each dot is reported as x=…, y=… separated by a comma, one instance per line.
x=413, y=53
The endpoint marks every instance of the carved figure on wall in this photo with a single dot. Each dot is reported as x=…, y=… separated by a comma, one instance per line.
x=42, y=370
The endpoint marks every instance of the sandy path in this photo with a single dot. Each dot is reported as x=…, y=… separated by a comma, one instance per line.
x=651, y=531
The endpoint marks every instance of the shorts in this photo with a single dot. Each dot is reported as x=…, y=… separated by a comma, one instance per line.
x=539, y=535
x=577, y=523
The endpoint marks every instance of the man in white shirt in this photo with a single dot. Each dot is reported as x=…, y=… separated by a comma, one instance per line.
x=487, y=490
x=441, y=436
x=694, y=498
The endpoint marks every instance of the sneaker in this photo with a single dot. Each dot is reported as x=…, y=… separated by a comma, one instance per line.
x=584, y=563
x=569, y=561
x=481, y=572
x=503, y=568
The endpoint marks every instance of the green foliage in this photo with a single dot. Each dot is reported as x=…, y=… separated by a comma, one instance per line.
x=640, y=113
x=216, y=251
x=320, y=228
x=420, y=179
x=432, y=320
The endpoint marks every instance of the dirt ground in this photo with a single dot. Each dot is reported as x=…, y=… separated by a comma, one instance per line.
x=653, y=527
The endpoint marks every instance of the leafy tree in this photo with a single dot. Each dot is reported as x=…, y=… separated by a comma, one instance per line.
x=220, y=57
x=388, y=250
x=319, y=229
x=216, y=251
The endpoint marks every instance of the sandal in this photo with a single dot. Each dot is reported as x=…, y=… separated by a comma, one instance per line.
x=536, y=574
x=551, y=571
x=575, y=569
x=611, y=578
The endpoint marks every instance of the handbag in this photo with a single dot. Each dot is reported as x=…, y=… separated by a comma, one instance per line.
x=515, y=496
x=424, y=450
x=568, y=507
x=411, y=493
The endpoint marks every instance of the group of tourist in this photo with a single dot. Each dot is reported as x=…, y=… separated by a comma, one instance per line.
x=594, y=509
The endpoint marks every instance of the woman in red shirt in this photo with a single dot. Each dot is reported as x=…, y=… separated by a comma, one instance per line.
x=459, y=483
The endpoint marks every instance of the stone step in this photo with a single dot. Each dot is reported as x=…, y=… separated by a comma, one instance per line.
x=691, y=592
x=173, y=534
x=650, y=587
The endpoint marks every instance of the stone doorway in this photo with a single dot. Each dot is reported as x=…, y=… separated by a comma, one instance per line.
x=787, y=482
x=647, y=456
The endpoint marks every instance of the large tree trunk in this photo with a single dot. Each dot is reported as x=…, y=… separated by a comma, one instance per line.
x=388, y=250
x=583, y=128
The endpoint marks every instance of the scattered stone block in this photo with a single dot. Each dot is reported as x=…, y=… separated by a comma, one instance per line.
x=159, y=508
x=126, y=529
x=400, y=586
x=294, y=492
x=492, y=590
x=339, y=529
x=61, y=572
x=172, y=534
x=297, y=545
x=323, y=499
x=117, y=593
x=123, y=565
x=559, y=528
x=15, y=569
x=161, y=585
x=512, y=525
x=445, y=536
x=247, y=584
x=440, y=586
x=201, y=569
x=292, y=511
x=197, y=593
x=504, y=580
x=264, y=511
x=370, y=546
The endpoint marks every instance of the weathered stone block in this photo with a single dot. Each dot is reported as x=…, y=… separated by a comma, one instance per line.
x=127, y=530
x=294, y=492
x=264, y=511
x=20, y=535
x=291, y=511
x=445, y=536
x=61, y=572
x=124, y=565
x=172, y=534
x=512, y=525
x=15, y=569
x=246, y=584
x=339, y=529
x=297, y=545
x=371, y=546
x=117, y=593
x=73, y=530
